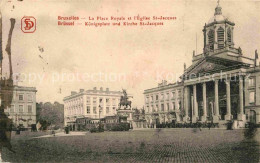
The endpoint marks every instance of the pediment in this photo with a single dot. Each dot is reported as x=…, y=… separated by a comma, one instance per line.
x=206, y=67
x=212, y=65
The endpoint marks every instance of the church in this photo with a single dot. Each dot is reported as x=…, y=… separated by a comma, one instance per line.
x=220, y=85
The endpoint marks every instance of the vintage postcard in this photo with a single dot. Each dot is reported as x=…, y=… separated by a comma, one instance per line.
x=129, y=81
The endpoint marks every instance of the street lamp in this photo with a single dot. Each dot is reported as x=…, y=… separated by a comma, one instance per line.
x=100, y=110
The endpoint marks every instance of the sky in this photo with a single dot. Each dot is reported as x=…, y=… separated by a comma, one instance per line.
x=55, y=58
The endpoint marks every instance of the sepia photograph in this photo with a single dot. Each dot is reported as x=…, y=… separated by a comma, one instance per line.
x=130, y=81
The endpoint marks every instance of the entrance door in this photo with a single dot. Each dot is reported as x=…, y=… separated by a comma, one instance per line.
x=223, y=112
x=252, y=116
x=211, y=110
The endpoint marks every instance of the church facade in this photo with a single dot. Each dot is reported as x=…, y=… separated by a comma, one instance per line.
x=222, y=84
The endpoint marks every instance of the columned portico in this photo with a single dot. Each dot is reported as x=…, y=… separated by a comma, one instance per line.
x=216, y=115
x=228, y=116
x=241, y=115
x=195, y=104
x=204, y=89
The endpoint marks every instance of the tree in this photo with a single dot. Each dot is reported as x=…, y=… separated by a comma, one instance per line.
x=50, y=114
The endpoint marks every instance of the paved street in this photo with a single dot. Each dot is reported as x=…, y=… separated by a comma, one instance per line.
x=155, y=145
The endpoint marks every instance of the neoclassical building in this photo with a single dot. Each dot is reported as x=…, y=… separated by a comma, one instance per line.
x=22, y=108
x=222, y=84
x=163, y=103
x=94, y=104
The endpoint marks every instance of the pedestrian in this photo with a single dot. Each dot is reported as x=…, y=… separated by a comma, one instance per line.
x=53, y=132
x=209, y=125
x=198, y=125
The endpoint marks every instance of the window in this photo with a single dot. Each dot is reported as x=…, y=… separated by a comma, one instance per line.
x=220, y=33
x=12, y=109
x=157, y=97
x=107, y=100
x=29, y=108
x=173, y=106
x=153, y=109
x=173, y=95
x=94, y=100
x=167, y=96
x=114, y=101
x=151, y=98
x=162, y=96
x=95, y=110
x=76, y=110
x=21, y=97
x=251, y=82
x=168, y=107
x=29, y=97
x=211, y=39
x=88, y=100
x=147, y=99
x=107, y=110
x=20, y=108
x=251, y=97
x=162, y=107
x=156, y=109
x=179, y=93
x=88, y=109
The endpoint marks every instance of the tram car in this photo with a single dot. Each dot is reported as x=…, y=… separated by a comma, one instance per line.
x=110, y=123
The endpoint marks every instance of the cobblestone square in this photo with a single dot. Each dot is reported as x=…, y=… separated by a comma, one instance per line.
x=153, y=145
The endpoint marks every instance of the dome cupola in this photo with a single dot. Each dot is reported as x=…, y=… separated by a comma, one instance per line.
x=218, y=32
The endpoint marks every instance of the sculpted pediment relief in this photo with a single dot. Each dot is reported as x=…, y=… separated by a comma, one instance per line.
x=205, y=67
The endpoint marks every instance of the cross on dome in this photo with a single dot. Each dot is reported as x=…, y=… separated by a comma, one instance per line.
x=218, y=9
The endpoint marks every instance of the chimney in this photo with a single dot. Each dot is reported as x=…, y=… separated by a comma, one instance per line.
x=107, y=89
x=73, y=92
x=95, y=88
x=81, y=90
x=101, y=88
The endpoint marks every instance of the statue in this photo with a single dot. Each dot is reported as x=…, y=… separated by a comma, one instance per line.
x=206, y=50
x=124, y=100
x=239, y=51
x=256, y=57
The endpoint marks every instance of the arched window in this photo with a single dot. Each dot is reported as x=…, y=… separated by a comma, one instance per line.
x=229, y=38
x=220, y=33
x=211, y=39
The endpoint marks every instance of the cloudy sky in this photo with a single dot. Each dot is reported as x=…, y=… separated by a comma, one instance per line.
x=54, y=58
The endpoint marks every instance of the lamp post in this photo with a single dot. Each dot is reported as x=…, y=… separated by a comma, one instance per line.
x=100, y=110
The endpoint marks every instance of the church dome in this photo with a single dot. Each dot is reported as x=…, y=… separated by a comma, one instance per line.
x=217, y=18
x=217, y=15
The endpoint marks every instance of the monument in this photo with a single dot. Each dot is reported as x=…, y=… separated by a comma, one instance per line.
x=125, y=111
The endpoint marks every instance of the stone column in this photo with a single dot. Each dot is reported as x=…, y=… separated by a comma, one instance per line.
x=176, y=100
x=216, y=116
x=241, y=115
x=104, y=107
x=228, y=116
x=204, y=117
x=187, y=103
x=195, y=104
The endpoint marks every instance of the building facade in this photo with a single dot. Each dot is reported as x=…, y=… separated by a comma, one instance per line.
x=163, y=103
x=94, y=104
x=221, y=84
x=22, y=110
